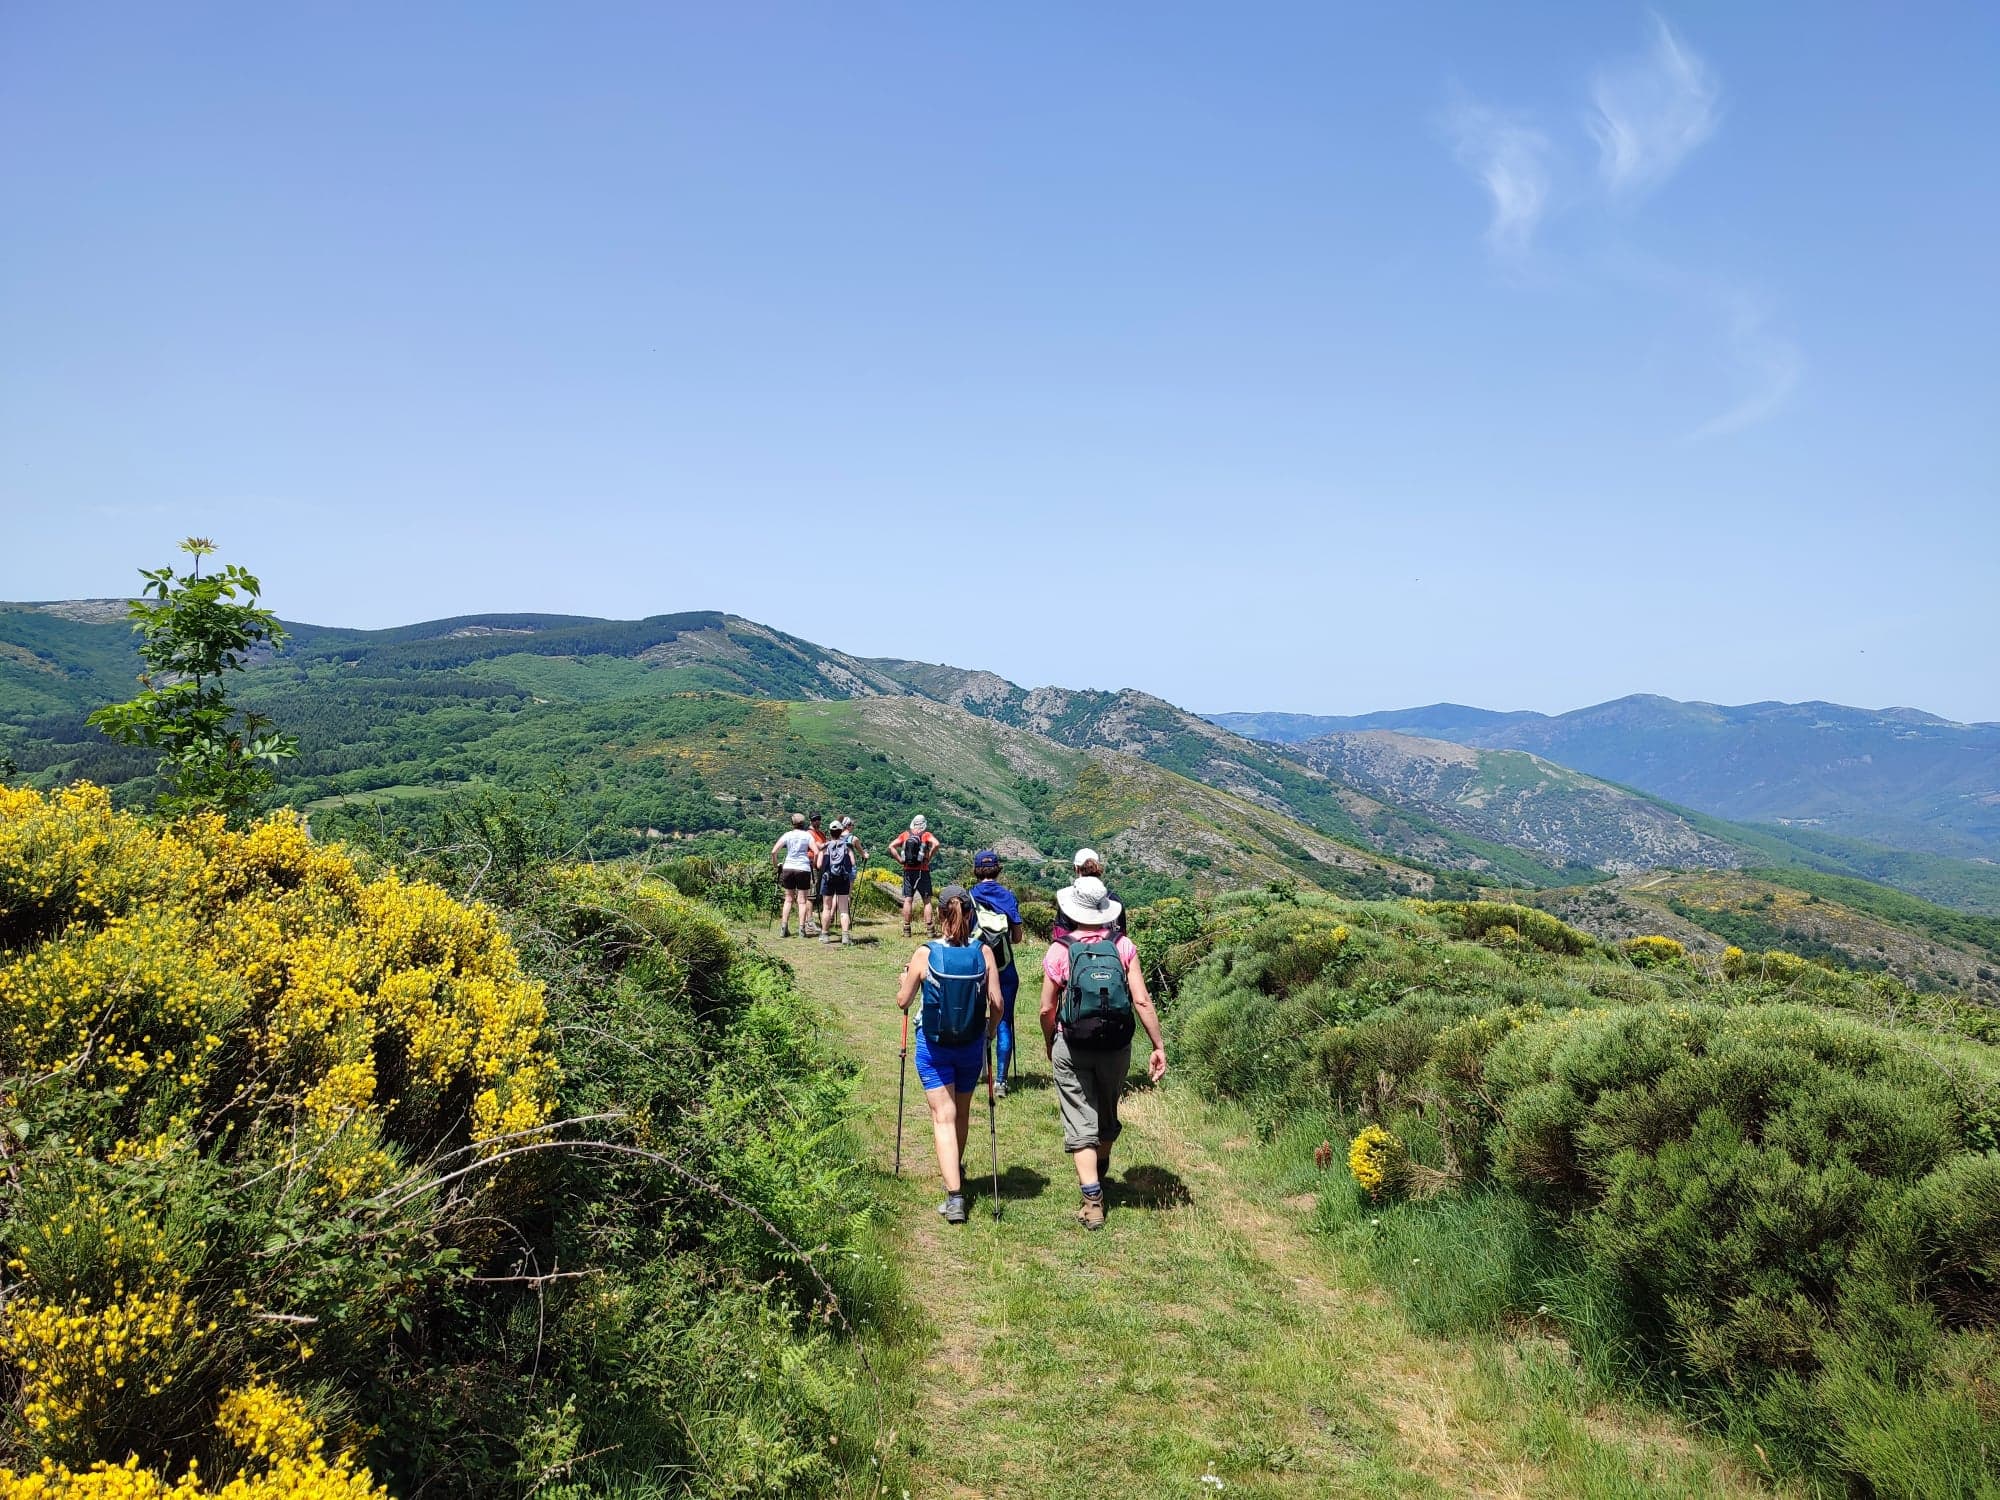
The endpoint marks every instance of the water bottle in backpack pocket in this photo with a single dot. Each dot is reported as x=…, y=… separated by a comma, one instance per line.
x=955, y=994
x=1096, y=1011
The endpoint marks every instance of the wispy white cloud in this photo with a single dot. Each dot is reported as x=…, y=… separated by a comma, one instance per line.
x=1648, y=113
x=1511, y=160
x=1767, y=369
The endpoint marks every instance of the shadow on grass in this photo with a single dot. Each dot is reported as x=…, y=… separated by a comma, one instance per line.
x=1018, y=1184
x=1019, y=1082
x=1147, y=1187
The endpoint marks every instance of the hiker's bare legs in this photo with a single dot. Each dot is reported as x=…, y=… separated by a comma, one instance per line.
x=1085, y=1162
x=950, y=1115
x=907, y=902
x=845, y=906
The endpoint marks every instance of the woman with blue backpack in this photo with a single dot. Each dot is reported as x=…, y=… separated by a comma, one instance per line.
x=1093, y=991
x=960, y=986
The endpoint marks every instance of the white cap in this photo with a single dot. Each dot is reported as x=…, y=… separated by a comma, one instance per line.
x=1084, y=857
x=917, y=824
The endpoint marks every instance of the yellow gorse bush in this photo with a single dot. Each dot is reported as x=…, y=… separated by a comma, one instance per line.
x=161, y=946
x=185, y=996
x=1653, y=949
x=285, y=1462
x=1376, y=1158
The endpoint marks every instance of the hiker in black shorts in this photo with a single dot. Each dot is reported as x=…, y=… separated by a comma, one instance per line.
x=914, y=850
x=794, y=858
x=839, y=857
x=819, y=838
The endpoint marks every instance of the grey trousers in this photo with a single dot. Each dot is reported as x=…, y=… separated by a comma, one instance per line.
x=1087, y=1088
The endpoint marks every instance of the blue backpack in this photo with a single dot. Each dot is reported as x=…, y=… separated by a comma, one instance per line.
x=837, y=859
x=955, y=994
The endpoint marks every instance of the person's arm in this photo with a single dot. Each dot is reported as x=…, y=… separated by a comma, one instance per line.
x=994, y=1009
x=1015, y=932
x=1051, y=999
x=913, y=978
x=777, y=854
x=1142, y=1007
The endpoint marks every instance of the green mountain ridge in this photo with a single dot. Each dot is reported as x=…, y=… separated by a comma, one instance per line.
x=700, y=729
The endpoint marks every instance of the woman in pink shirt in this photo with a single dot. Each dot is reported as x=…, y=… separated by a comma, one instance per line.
x=1093, y=991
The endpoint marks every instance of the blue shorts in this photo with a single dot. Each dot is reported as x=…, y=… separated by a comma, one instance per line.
x=957, y=1068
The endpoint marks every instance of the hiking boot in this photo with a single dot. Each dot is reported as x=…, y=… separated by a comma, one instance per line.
x=826, y=937
x=906, y=929
x=953, y=1209
x=846, y=942
x=784, y=932
x=1091, y=1215
x=1000, y=1089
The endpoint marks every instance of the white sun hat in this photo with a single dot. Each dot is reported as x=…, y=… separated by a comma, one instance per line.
x=917, y=824
x=1088, y=903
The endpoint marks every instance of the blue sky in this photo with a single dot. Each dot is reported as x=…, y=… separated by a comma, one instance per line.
x=1269, y=356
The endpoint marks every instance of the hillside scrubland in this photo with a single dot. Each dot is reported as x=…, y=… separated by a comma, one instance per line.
x=1758, y=1188
x=319, y=1181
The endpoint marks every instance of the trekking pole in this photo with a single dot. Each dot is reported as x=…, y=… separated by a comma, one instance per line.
x=992, y=1129
x=902, y=1079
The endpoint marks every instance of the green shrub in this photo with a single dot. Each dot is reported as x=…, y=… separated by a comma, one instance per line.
x=1775, y=1192
x=1472, y=920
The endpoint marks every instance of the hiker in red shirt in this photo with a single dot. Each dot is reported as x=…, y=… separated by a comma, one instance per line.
x=914, y=850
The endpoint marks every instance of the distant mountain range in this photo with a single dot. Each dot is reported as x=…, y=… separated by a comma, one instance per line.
x=1895, y=777
x=706, y=725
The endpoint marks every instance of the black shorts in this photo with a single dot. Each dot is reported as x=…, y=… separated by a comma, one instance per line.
x=916, y=883
x=795, y=880
x=836, y=885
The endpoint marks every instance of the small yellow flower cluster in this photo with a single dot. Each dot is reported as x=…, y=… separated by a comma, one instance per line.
x=265, y=1423
x=78, y=1359
x=1376, y=1158
x=1774, y=966
x=1647, y=952
x=310, y=1476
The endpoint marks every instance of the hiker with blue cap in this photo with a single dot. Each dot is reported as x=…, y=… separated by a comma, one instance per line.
x=1000, y=929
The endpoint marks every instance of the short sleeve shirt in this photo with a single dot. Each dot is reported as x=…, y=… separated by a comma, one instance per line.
x=798, y=849
x=1055, y=963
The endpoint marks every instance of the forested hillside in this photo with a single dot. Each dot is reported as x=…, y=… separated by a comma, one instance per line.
x=703, y=726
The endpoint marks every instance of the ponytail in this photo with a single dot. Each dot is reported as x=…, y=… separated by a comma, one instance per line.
x=955, y=917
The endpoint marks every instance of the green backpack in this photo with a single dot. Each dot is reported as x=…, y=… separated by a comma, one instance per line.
x=1096, y=1012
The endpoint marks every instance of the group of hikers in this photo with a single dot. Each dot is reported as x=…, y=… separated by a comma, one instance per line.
x=1093, y=996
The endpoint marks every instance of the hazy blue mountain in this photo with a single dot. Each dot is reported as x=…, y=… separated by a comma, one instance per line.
x=1896, y=777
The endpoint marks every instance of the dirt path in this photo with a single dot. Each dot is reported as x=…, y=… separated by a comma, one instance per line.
x=1202, y=1343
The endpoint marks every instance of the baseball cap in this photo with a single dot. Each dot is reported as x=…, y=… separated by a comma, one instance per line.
x=917, y=824
x=1084, y=857
x=985, y=857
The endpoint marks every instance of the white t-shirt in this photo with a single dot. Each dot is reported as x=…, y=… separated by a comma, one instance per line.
x=798, y=849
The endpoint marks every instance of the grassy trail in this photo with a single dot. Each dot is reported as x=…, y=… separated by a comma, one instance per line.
x=1203, y=1332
